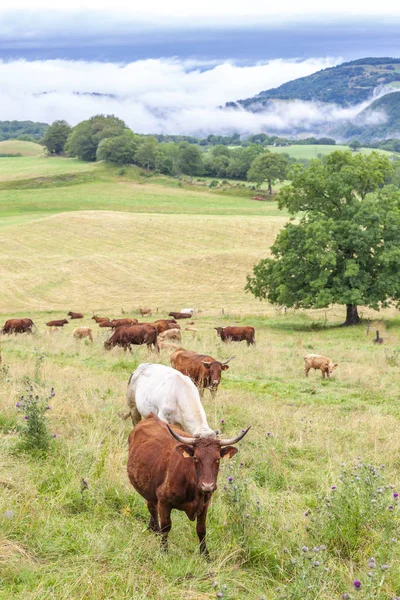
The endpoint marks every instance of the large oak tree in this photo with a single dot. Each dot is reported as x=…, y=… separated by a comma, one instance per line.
x=342, y=245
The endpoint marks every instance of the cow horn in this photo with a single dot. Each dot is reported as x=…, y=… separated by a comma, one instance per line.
x=183, y=440
x=235, y=440
x=231, y=358
x=206, y=362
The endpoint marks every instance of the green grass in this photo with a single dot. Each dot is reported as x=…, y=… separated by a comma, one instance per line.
x=108, y=243
x=26, y=167
x=19, y=147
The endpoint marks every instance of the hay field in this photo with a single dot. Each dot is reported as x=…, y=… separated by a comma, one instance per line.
x=311, y=499
x=21, y=147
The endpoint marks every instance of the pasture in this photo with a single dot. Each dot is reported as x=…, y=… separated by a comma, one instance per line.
x=21, y=147
x=314, y=150
x=309, y=498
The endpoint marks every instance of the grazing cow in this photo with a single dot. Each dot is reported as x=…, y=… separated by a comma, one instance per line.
x=187, y=311
x=106, y=324
x=165, y=346
x=164, y=324
x=170, y=334
x=82, y=332
x=145, y=311
x=316, y=361
x=171, y=475
x=100, y=319
x=18, y=326
x=59, y=323
x=178, y=315
x=168, y=394
x=74, y=315
x=202, y=369
x=118, y=322
x=126, y=335
x=236, y=334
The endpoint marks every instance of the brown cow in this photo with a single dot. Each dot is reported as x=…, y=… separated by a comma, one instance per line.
x=74, y=315
x=82, y=332
x=106, y=324
x=179, y=315
x=145, y=311
x=126, y=335
x=126, y=321
x=202, y=369
x=317, y=361
x=236, y=334
x=18, y=326
x=59, y=323
x=100, y=319
x=164, y=324
x=171, y=475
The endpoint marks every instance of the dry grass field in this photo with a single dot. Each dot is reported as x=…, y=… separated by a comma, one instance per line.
x=21, y=147
x=311, y=499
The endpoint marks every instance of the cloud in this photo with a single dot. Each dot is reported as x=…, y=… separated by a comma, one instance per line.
x=162, y=96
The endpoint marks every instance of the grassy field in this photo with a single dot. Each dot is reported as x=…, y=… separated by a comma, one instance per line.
x=26, y=167
x=312, y=495
x=21, y=147
x=312, y=151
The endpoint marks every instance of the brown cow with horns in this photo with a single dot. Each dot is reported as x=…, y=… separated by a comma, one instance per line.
x=171, y=475
x=202, y=369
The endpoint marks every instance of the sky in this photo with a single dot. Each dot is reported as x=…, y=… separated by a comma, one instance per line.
x=167, y=67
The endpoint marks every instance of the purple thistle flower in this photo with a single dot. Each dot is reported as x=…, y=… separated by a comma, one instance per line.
x=357, y=584
x=390, y=507
x=48, y=407
x=333, y=487
x=395, y=495
x=222, y=421
x=230, y=479
x=26, y=417
x=54, y=435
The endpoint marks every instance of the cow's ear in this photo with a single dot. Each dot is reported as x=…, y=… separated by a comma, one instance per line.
x=225, y=367
x=185, y=450
x=228, y=451
x=335, y=365
x=206, y=363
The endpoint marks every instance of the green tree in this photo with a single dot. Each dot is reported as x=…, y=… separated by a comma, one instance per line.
x=190, y=159
x=355, y=145
x=269, y=167
x=120, y=149
x=148, y=153
x=87, y=135
x=56, y=137
x=345, y=248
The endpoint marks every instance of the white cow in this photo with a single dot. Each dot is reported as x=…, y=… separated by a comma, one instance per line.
x=187, y=311
x=171, y=396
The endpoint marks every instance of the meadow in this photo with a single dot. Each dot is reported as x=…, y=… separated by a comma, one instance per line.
x=309, y=499
x=314, y=150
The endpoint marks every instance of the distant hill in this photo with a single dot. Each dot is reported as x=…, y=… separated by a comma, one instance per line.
x=11, y=130
x=380, y=120
x=346, y=84
x=20, y=147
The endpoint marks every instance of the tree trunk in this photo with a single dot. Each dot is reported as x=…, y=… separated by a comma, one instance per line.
x=352, y=317
x=269, y=188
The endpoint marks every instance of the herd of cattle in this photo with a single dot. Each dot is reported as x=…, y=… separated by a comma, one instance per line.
x=174, y=455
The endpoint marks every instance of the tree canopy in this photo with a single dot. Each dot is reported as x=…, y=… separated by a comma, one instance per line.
x=268, y=167
x=120, y=149
x=345, y=247
x=87, y=135
x=56, y=137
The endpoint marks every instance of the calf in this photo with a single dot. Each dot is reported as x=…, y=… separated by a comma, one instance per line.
x=202, y=369
x=100, y=319
x=75, y=315
x=83, y=332
x=171, y=470
x=106, y=324
x=317, y=361
x=236, y=334
x=59, y=323
x=170, y=334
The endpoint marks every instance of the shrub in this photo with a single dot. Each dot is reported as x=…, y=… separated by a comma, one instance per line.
x=35, y=435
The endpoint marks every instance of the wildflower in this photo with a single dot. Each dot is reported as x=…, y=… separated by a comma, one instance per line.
x=230, y=479
x=220, y=595
x=222, y=421
x=395, y=495
x=18, y=404
x=384, y=567
x=26, y=417
x=48, y=407
x=305, y=548
x=322, y=547
x=269, y=434
x=333, y=487
x=316, y=549
x=394, y=540
x=372, y=563
x=307, y=513
x=370, y=574
x=345, y=596
x=9, y=514
x=379, y=490
x=390, y=507
x=54, y=435
x=357, y=584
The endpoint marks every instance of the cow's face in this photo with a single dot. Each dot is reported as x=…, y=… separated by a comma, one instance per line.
x=214, y=370
x=206, y=454
x=65, y=321
x=219, y=331
x=332, y=367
